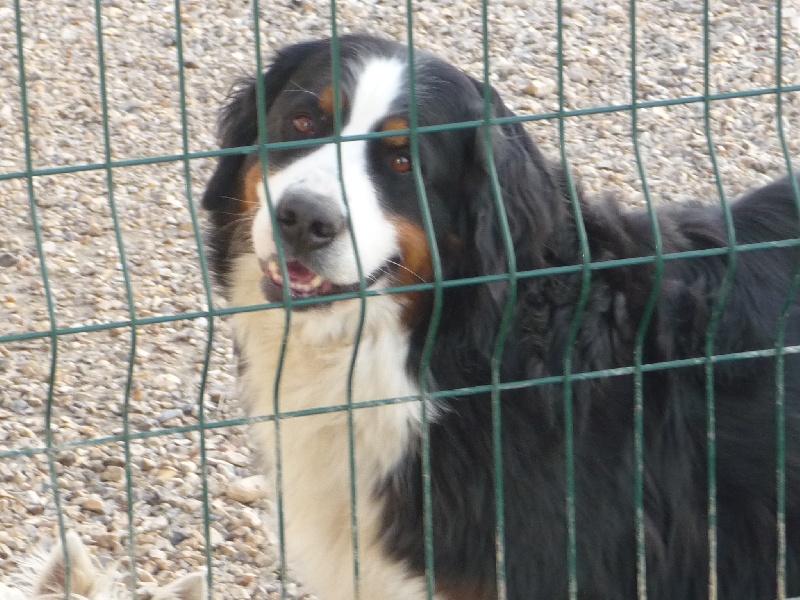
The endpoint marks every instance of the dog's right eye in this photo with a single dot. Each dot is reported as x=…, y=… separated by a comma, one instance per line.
x=304, y=124
x=401, y=163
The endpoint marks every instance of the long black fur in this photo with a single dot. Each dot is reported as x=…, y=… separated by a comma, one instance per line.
x=545, y=234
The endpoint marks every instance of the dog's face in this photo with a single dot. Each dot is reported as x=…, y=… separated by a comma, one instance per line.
x=311, y=190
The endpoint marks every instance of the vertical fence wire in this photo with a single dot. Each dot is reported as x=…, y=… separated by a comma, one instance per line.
x=575, y=325
x=780, y=338
x=716, y=313
x=507, y=316
x=436, y=309
x=644, y=324
x=209, y=298
x=131, y=303
x=336, y=71
x=50, y=451
x=261, y=109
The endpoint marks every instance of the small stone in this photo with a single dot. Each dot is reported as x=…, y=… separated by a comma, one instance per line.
x=680, y=69
x=539, y=88
x=579, y=74
x=115, y=459
x=251, y=518
x=237, y=458
x=188, y=466
x=178, y=536
x=94, y=230
x=245, y=579
x=615, y=12
x=215, y=538
x=67, y=458
x=8, y=260
x=158, y=554
x=113, y=473
x=94, y=505
x=69, y=34
x=248, y=489
x=166, y=474
x=20, y=407
x=109, y=541
x=174, y=413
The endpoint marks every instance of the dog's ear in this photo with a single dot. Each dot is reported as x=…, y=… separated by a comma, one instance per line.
x=531, y=190
x=188, y=587
x=238, y=124
x=52, y=578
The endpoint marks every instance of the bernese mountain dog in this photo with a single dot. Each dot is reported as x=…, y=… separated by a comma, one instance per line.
x=360, y=317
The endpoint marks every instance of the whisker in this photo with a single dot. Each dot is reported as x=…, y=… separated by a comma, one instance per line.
x=300, y=88
x=405, y=268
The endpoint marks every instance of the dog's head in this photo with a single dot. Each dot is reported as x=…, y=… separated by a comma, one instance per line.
x=354, y=209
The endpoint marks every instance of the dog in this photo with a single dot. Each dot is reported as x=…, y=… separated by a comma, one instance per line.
x=45, y=577
x=348, y=345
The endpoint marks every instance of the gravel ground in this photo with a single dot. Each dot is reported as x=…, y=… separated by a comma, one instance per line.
x=83, y=254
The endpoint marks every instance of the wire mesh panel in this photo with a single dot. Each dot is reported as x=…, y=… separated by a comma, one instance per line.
x=119, y=417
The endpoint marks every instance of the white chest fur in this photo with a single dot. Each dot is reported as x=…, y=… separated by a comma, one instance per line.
x=315, y=449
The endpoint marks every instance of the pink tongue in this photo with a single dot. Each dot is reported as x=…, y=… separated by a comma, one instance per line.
x=298, y=273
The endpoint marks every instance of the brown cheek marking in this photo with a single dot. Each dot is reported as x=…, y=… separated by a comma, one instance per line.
x=396, y=124
x=252, y=181
x=418, y=268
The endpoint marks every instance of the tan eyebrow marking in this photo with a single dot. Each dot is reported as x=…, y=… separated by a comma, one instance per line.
x=326, y=103
x=396, y=124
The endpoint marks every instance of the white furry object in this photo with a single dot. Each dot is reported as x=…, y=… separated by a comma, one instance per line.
x=44, y=577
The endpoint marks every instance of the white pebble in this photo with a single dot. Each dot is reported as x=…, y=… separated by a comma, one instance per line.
x=248, y=489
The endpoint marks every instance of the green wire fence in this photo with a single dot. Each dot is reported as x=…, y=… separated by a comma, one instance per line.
x=134, y=323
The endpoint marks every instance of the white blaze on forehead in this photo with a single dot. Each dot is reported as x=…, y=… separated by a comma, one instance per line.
x=378, y=83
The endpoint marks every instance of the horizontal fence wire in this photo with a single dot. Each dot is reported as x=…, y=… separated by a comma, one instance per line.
x=134, y=323
x=524, y=118
x=417, y=287
x=434, y=395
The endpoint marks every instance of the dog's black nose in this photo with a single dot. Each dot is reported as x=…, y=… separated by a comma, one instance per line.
x=308, y=221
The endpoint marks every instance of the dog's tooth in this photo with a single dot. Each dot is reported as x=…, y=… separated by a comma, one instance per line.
x=274, y=269
x=316, y=284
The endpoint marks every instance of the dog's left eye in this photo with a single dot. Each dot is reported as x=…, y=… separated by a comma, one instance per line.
x=304, y=124
x=401, y=163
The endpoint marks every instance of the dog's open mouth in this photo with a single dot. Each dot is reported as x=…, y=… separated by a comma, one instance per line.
x=305, y=283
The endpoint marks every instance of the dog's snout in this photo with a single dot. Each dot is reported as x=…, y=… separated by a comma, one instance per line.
x=308, y=221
